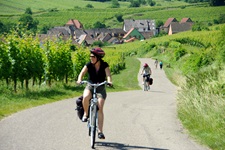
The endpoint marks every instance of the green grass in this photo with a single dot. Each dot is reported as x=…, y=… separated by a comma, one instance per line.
x=9, y=7
x=127, y=79
x=11, y=102
x=201, y=107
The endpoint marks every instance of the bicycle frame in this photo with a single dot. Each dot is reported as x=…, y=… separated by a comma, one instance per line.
x=93, y=112
x=146, y=84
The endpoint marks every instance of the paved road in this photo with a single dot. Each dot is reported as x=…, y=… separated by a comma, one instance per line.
x=134, y=120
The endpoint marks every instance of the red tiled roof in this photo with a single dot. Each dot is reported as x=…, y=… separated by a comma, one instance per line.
x=186, y=20
x=76, y=23
x=168, y=22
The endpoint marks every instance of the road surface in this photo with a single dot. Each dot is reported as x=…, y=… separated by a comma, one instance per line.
x=134, y=120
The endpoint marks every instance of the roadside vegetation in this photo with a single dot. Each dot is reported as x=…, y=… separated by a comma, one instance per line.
x=193, y=60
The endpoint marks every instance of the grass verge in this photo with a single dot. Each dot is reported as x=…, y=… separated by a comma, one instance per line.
x=201, y=104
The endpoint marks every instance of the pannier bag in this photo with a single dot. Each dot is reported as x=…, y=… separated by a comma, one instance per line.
x=79, y=107
x=150, y=81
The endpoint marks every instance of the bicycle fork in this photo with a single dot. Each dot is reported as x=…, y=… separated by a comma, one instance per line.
x=93, y=122
x=93, y=115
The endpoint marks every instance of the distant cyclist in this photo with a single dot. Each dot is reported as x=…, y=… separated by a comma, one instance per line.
x=146, y=71
x=161, y=64
x=156, y=63
x=98, y=72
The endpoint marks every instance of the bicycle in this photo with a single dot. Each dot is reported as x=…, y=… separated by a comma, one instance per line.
x=146, y=82
x=93, y=112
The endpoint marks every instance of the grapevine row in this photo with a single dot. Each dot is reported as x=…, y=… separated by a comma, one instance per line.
x=24, y=59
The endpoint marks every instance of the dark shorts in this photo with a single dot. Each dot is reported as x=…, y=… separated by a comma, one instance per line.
x=147, y=77
x=101, y=92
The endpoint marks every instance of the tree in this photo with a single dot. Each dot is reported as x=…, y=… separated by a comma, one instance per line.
x=45, y=29
x=27, y=22
x=151, y=2
x=28, y=11
x=5, y=64
x=99, y=25
x=221, y=18
x=119, y=17
x=135, y=3
x=159, y=23
x=217, y=2
x=115, y=4
x=2, y=27
x=6, y=27
x=89, y=6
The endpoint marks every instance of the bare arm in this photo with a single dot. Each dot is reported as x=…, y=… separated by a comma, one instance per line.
x=108, y=75
x=142, y=71
x=82, y=73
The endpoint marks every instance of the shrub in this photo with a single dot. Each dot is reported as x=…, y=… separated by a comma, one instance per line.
x=174, y=44
x=119, y=17
x=89, y=6
x=178, y=53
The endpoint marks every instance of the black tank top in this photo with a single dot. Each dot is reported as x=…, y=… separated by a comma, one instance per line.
x=95, y=76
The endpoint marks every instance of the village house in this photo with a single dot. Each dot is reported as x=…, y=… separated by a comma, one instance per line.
x=112, y=36
x=132, y=35
x=74, y=23
x=131, y=30
x=184, y=25
x=172, y=26
x=146, y=27
x=167, y=24
x=136, y=29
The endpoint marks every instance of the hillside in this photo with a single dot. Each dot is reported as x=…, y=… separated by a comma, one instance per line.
x=12, y=7
x=55, y=14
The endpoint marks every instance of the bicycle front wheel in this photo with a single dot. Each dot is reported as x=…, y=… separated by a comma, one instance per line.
x=145, y=86
x=93, y=122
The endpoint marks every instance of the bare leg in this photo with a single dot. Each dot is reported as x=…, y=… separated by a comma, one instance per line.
x=86, y=99
x=101, y=102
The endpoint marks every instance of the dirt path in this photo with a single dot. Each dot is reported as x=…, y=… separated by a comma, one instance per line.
x=134, y=120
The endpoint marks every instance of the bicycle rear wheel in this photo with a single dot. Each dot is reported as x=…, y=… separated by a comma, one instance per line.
x=93, y=126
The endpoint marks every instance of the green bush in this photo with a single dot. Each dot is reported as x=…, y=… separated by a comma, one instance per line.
x=190, y=41
x=174, y=44
x=178, y=53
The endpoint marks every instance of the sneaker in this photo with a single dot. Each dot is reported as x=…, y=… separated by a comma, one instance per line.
x=101, y=135
x=84, y=119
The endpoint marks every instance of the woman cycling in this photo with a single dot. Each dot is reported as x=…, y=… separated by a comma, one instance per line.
x=98, y=71
x=146, y=72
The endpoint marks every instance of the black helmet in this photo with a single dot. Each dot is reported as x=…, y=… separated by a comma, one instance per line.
x=98, y=52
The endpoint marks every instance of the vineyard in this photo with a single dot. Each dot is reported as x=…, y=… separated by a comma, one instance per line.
x=88, y=16
x=24, y=59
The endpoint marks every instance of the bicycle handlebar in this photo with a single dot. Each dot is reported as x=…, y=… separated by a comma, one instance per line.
x=95, y=84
